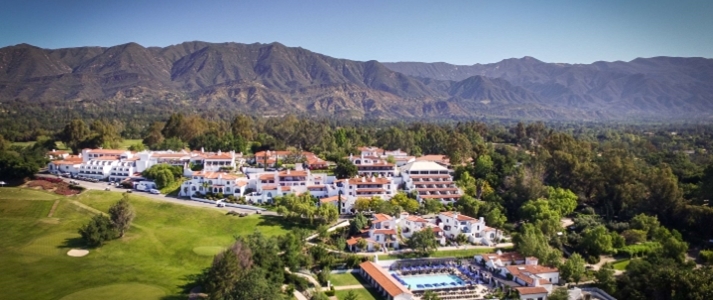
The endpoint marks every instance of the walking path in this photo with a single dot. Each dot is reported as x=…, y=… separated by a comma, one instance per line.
x=54, y=207
x=350, y=287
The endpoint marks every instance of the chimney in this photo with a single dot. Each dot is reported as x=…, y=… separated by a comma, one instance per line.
x=531, y=261
x=535, y=280
x=219, y=152
x=53, y=150
x=373, y=179
x=202, y=150
x=363, y=179
x=482, y=220
x=288, y=171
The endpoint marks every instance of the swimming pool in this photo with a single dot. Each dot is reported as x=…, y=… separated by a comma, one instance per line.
x=425, y=282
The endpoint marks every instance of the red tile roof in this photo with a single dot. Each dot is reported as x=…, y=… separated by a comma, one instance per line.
x=504, y=257
x=439, y=196
x=382, y=278
x=416, y=219
x=358, y=181
x=293, y=173
x=531, y=290
x=381, y=218
x=329, y=199
x=385, y=231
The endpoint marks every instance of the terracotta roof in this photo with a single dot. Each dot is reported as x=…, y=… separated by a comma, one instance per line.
x=525, y=271
x=382, y=278
x=416, y=219
x=285, y=188
x=381, y=218
x=420, y=183
x=170, y=155
x=358, y=181
x=371, y=149
x=215, y=175
x=385, y=231
x=241, y=183
x=219, y=156
x=310, y=187
x=329, y=199
x=353, y=241
x=531, y=290
x=269, y=187
x=430, y=176
x=67, y=162
x=267, y=176
x=434, y=157
x=292, y=173
x=272, y=153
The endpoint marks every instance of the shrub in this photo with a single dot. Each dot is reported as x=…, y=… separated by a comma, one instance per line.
x=706, y=256
x=331, y=292
x=301, y=284
x=97, y=231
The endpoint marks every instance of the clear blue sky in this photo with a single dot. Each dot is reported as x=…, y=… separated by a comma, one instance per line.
x=460, y=32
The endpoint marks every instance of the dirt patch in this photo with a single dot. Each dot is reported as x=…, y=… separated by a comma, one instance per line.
x=78, y=252
x=54, y=185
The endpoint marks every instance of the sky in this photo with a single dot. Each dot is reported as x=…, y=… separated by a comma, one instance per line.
x=458, y=32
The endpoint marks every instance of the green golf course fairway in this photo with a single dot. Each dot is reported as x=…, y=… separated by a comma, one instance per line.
x=119, y=291
x=167, y=244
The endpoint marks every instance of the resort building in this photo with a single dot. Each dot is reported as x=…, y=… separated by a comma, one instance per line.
x=383, y=232
x=429, y=180
x=68, y=164
x=454, y=224
x=496, y=261
x=57, y=154
x=203, y=182
x=373, y=166
x=384, y=282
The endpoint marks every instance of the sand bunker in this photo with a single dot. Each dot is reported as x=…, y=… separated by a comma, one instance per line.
x=78, y=252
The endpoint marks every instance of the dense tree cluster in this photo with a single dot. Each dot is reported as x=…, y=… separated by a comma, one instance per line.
x=304, y=206
x=163, y=174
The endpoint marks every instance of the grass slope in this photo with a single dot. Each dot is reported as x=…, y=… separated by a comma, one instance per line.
x=167, y=244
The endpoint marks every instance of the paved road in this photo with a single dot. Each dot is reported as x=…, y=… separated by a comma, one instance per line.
x=103, y=185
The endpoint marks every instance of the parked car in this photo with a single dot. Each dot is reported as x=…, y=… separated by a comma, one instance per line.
x=107, y=189
x=154, y=191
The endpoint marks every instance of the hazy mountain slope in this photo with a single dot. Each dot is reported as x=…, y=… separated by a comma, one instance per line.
x=275, y=79
x=659, y=86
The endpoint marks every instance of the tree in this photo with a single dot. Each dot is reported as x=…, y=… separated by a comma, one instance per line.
x=483, y=166
x=423, y=241
x=542, y=214
x=74, y=133
x=172, y=143
x=559, y=294
x=495, y=218
x=345, y=169
x=362, y=244
x=138, y=147
x=406, y=203
x=153, y=136
x=430, y=295
x=97, y=231
x=596, y=241
x=351, y=296
x=573, y=268
x=468, y=206
x=328, y=213
x=362, y=204
x=324, y=275
x=122, y=214
x=163, y=174
x=604, y=279
x=254, y=285
x=432, y=206
x=649, y=224
x=229, y=267
x=357, y=224
x=562, y=200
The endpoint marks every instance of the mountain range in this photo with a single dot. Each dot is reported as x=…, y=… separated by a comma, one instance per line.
x=272, y=79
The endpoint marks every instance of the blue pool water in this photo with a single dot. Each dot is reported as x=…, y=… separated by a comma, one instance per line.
x=418, y=282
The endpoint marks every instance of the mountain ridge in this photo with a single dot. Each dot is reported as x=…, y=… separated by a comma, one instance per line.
x=276, y=79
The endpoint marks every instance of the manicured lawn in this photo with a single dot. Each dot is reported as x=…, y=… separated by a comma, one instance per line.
x=167, y=244
x=344, y=279
x=362, y=294
x=449, y=253
x=126, y=143
x=621, y=264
